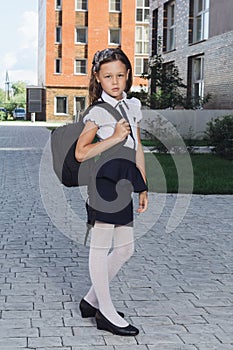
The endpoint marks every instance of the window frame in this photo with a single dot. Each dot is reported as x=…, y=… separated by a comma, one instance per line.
x=75, y=66
x=76, y=34
x=193, y=80
x=58, y=62
x=202, y=15
x=58, y=7
x=142, y=41
x=109, y=36
x=56, y=105
x=58, y=35
x=143, y=65
x=114, y=2
x=76, y=111
x=81, y=9
x=154, y=46
x=144, y=9
x=169, y=26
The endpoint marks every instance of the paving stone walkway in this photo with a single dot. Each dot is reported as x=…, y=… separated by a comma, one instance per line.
x=177, y=288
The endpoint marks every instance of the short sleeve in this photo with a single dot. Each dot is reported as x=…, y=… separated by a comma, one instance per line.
x=103, y=120
x=95, y=115
x=135, y=106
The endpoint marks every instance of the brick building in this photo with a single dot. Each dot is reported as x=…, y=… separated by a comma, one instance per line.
x=71, y=31
x=197, y=35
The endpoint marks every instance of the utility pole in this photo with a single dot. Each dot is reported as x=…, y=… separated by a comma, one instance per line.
x=7, y=87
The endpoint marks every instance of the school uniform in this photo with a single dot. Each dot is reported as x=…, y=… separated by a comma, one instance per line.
x=116, y=175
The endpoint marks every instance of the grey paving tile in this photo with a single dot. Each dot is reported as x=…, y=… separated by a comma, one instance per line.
x=177, y=288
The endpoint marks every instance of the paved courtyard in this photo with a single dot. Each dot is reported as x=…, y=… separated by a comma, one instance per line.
x=177, y=288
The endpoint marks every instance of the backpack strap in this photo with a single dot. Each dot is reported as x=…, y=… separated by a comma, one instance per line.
x=113, y=111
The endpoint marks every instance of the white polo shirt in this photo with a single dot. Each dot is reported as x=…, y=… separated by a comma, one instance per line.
x=106, y=122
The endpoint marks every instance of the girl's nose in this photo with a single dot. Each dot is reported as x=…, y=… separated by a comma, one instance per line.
x=114, y=80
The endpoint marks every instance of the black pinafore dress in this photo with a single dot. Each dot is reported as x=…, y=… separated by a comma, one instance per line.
x=114, y=180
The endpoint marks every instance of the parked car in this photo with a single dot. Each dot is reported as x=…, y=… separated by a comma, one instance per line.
x=19, y=113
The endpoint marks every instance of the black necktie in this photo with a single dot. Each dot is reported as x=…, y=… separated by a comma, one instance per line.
x=123, y=112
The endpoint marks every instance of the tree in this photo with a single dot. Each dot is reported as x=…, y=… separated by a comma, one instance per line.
x=2, y=97
x=19, y=88
x=166, y=84
x=19, y=96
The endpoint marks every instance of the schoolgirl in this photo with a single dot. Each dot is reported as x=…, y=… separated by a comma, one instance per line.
x=120, y=171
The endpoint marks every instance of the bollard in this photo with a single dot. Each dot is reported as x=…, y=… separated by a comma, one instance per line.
x=33, y=117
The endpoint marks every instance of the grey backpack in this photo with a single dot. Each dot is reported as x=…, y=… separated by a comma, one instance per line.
x=69, y=171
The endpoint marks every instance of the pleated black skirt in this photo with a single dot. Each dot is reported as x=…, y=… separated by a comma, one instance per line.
x=110, y=194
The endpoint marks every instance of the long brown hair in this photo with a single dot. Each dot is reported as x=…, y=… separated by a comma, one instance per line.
x=105, y=56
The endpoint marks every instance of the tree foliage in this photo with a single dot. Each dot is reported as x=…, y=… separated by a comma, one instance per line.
x=220, y=135
x=17, y=97
x=19, y=88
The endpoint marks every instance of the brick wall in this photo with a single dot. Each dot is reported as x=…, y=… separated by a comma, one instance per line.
x=217, y=50
x=98, y=20
x=71, y=93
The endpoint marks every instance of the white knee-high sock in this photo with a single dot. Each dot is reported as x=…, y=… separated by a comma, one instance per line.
x=101, y=242
x=123, y=250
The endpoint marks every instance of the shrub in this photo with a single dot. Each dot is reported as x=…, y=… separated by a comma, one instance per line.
x=220, y=135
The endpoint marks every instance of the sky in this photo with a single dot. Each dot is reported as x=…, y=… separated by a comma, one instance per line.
x=18, y=41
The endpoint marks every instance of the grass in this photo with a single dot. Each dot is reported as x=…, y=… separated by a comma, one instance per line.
x=156, y=143
x=211, y=174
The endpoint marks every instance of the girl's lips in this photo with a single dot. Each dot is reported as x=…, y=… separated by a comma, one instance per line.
x=115, y=89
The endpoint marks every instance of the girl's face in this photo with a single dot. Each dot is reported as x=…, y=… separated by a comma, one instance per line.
x=113, y=77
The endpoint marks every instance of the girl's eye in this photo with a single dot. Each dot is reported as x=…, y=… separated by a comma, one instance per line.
x=108, y=76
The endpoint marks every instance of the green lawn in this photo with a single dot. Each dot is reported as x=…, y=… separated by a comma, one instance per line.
x=211, y=174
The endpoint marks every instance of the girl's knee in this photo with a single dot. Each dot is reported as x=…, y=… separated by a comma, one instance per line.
x=125, y=251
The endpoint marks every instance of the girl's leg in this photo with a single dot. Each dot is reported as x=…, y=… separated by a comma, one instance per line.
x=122, y=252
x=101, y=242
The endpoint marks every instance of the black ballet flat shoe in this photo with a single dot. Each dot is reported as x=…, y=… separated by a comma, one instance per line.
x=104, y=324
x=87, y=310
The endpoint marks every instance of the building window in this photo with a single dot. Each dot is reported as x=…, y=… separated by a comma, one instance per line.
x=80, y=66
x=114, y=5
x=61, y=105
x=79, y=104
x=169, y=28
x=142, y=40
x=58, y=35
x=141, y=66
x=142, y=10
x=81, y=35
x=58, y=65
x=114, y=36
x=58, y=5
x=196, y=78
x=154, y=48
x=198, y=20
x=81, y=5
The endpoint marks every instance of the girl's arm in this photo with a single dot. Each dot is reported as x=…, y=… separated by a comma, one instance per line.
x=140, y=159
x=85, y=149
x=140, y=162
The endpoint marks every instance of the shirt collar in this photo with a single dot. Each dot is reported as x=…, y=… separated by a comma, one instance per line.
x=112, y=101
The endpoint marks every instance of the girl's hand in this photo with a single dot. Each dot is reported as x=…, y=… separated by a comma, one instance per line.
x=143, y=202
x=122, y=130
